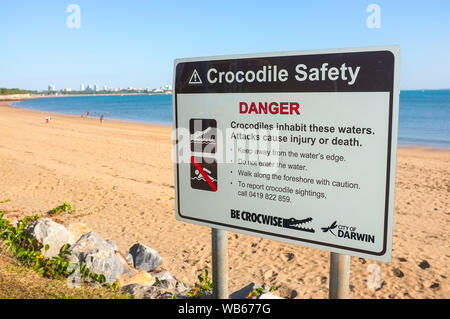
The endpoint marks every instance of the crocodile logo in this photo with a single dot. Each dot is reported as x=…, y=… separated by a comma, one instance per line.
x=297, y=224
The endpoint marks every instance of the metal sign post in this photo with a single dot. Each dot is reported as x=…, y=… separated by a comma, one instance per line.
x=339, y=276
x=219, y=263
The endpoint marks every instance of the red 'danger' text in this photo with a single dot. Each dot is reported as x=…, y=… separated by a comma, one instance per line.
x=284, y=108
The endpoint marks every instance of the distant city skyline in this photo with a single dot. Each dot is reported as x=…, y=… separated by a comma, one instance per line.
x=106, y=88
x=134, y=43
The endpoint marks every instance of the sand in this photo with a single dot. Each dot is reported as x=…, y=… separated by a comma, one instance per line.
x=119, y=178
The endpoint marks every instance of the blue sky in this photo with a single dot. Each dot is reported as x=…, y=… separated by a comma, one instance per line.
x=134, y=43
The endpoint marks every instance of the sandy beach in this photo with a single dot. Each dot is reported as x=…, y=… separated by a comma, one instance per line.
x=119, y=177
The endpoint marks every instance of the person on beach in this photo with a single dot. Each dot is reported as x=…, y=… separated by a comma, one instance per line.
x=101, y=118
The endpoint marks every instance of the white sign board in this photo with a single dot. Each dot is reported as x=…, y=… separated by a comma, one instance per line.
x=298, y=147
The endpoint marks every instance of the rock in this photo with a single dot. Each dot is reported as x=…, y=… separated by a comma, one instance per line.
x=269, y=295
x=139, y=277
x=113, y=245
x=144, y=292
x=99, y=256
x=424, y=265
x=145, y=258
x=398, y=273
x=47, y=232
x=401, y=259
x=174, y=285
x=163, y=275
x=127, y=263
x=129, y=259
x=164, y=290
x=91, y=241
x=78, y=230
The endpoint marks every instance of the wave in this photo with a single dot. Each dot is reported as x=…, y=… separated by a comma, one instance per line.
x=201, y=178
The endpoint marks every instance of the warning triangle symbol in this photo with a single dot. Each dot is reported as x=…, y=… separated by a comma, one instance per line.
x=195, y=78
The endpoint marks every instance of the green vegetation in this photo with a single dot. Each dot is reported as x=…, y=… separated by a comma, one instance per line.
x=202, y=287
x=5, y=201
x=259, y=291
x=64, y=208
x=20, y=282
x=5, y=91
x=27, y=250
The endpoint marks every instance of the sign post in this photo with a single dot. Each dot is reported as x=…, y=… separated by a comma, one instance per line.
x=298, y=147
x=219, y=263
x=339, y=276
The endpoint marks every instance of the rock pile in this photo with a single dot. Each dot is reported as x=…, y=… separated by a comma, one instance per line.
x=137, y=270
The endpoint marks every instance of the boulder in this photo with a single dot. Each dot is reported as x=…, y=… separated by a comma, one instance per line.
x=162, y=275
x=92, y=241
x=47, y=232
x=113, y=245
x=145, y=258
x=98, y=255
x=78, y=230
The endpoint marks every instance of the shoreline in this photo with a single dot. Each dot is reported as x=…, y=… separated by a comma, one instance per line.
x=72, y=116
x=8, y=104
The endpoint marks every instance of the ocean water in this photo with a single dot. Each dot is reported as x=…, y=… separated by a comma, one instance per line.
x=424, y=118
x=137, y=108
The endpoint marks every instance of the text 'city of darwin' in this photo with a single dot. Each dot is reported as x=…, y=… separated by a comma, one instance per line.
x=273, y=74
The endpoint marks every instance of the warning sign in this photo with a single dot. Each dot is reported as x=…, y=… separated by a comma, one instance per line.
x=204, y=173
x=203, y=135
x=195, y=78
x=298, y=147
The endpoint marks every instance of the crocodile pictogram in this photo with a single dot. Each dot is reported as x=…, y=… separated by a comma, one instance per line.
x=296, y=224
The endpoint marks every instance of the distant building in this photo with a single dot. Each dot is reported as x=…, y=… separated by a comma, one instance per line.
x=96, y=88
x=67, y=90
x=105, y=88
x=82, y=87
x=51, y=88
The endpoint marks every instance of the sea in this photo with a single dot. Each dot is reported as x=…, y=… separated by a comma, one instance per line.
x=424, y=118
